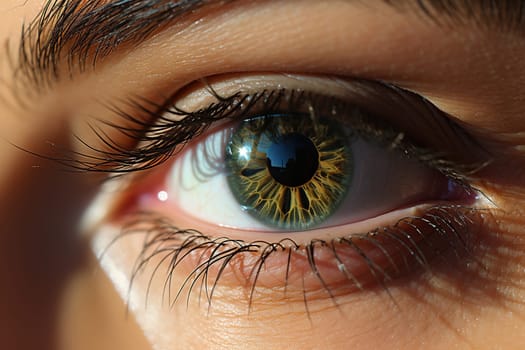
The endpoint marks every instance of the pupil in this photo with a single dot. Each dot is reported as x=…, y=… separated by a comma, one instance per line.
x=292, y=160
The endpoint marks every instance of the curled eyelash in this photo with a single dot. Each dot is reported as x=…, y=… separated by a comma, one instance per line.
x=158, y=132
x=408, y=246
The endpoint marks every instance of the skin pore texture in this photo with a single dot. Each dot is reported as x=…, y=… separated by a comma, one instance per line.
x=65, y=284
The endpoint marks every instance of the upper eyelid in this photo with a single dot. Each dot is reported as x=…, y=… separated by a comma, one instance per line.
x=414, y=115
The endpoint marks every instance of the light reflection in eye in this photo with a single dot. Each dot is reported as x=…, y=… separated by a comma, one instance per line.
x=162, y=196
x=244, y=152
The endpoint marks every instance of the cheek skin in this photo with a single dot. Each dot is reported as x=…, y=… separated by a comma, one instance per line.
x=89, y=305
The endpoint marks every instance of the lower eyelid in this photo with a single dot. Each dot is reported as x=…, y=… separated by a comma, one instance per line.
x=360, y=261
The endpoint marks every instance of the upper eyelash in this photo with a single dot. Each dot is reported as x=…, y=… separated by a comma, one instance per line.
x=158, y=137
x=164, y=135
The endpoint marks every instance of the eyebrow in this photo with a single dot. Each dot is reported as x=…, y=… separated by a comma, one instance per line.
x=82, y=32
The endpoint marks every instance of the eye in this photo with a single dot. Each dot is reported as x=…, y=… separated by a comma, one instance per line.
x=314, y=185
x=295, y=172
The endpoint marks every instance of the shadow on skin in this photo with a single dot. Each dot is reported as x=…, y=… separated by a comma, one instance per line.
x=40, y=249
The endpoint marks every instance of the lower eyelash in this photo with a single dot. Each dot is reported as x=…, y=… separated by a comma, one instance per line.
x=386, y=253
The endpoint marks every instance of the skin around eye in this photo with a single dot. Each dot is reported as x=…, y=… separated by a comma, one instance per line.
x=385, y=226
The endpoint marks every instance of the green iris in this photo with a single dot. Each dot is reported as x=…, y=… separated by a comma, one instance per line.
x=289, y=171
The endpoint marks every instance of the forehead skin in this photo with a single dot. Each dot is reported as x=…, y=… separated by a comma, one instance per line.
x=52, y=289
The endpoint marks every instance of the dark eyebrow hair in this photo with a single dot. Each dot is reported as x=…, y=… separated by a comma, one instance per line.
x=85, y=31
x=503, y=15
x=82, y=31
